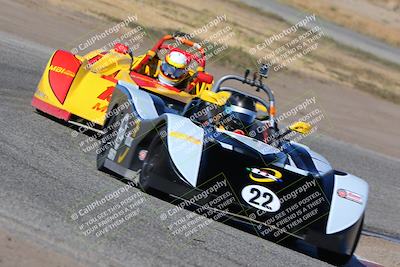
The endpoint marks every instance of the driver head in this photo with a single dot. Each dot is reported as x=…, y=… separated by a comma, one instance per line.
x=241, y=111
x=174, y=68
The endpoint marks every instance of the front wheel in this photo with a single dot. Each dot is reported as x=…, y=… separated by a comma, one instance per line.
x=155, y=162
x=337, y=258
x=333, y=257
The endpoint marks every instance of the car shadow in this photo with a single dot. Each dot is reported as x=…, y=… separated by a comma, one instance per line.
x=76, y=128
x=297, y=245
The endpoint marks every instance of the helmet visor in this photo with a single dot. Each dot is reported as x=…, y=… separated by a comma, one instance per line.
x=171, y=71
x=243, y=115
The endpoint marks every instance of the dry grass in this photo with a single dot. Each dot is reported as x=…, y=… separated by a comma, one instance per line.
x=250, y=26
x=376, y=18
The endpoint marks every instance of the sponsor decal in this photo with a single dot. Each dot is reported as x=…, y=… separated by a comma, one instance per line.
x=261, y=198
x=111, y=154
x=121, y=132
x=106, y=96
x=62, y=70
x=343, y=193
x=133, y=133
x=186, y=137
x=142, y=154
x=123, y=155
x=99, y=107
x=61, y=73
x=128, y=141
x=136, y=128
x=264, y=175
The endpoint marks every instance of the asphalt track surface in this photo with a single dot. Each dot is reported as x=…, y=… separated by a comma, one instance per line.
x=45, y=173
x=338, y=33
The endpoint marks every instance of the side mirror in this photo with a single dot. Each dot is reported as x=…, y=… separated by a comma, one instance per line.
x=261, y=107
x=205, y=77
x=214, y=98
x=301, y=127
x=262, y=112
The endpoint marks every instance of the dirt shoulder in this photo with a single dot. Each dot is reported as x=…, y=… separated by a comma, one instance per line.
x=379, y=250
x=376, y=18
x=251, y=27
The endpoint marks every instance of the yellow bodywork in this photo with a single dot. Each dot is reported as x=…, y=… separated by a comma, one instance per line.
x=92, y=86
x=85, y=97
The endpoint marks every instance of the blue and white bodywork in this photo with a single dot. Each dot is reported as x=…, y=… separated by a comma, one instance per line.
x=279, y=191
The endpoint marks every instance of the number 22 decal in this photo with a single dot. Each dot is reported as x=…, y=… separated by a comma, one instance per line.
x=261, y=198
x=266, y=196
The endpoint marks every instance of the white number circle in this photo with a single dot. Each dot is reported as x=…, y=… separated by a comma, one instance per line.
x=261, y=198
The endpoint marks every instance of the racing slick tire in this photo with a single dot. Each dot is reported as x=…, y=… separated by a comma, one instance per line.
x=156, y=159
x=337, y=258
x=106, y=141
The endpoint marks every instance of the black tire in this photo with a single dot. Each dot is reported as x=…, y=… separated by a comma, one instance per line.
x=156, y=159
x=333, y=257
x=39, y=111
x=337, y=258
x=105, y=146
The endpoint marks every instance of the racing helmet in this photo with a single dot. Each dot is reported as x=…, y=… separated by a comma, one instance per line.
x=240, y=111
x=174, y=68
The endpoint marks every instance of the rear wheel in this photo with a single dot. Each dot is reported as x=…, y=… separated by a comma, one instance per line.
x=107, y=140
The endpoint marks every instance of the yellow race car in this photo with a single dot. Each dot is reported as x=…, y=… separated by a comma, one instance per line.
x=77, y=89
